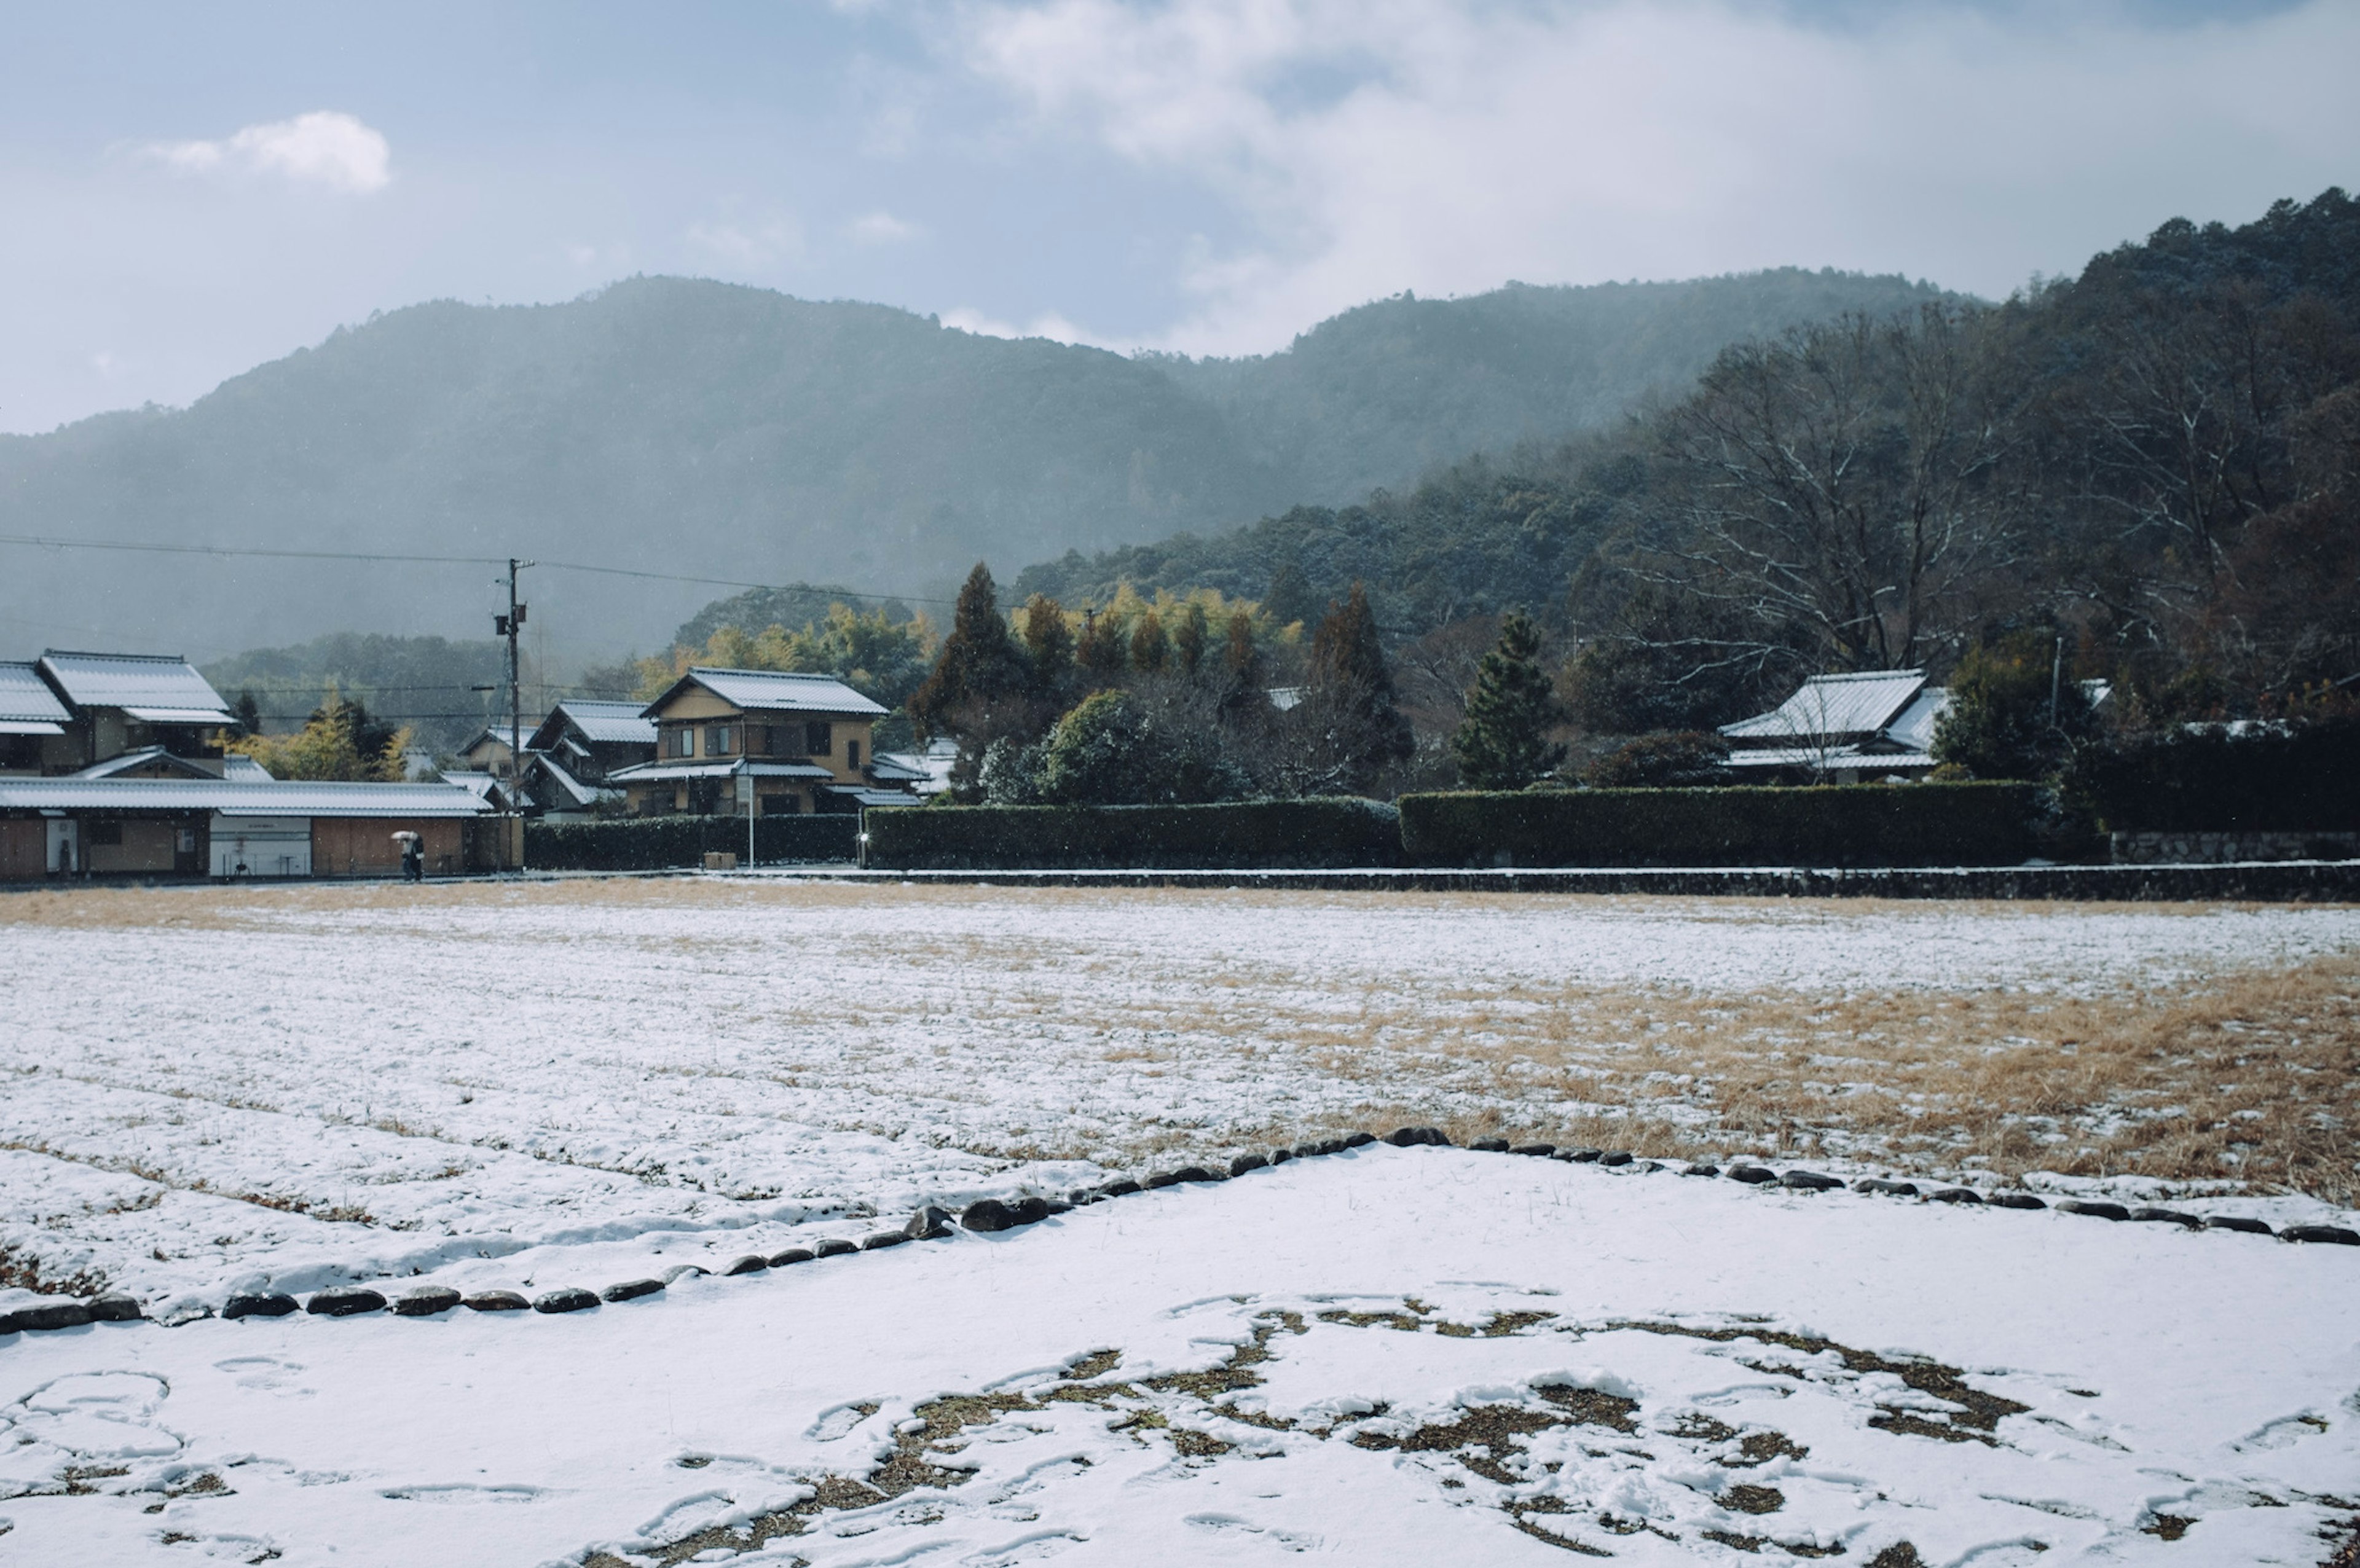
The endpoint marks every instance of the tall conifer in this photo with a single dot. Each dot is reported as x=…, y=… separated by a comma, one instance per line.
x=1350, y=705
x=1504, y=743
x=1149, y=648
x=979, y=672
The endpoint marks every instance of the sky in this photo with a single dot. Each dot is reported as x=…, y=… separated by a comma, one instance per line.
x=188, y=192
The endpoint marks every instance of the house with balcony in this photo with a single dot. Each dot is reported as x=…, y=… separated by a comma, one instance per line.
x=124, y=702
x=729, y=741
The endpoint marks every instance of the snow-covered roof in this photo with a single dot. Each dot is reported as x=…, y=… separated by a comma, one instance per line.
x=27, y=706
x=155, y=688
x=657, y=772
x=890, y=766
x=1834, y=759
x=1915, y=728
x=854, y=792
x=579, y=795
x=146, y=757
x=1831, y=707
x=238, y=797
x=244, y=769
x=601, y=723
x=771, y=691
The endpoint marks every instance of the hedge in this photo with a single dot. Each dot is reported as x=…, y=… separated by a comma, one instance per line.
x=2297, y=780
x=654, y=843
x=1841, y=825
x=1244, y=835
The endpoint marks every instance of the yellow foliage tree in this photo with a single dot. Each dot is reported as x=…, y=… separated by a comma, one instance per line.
x=331, y=747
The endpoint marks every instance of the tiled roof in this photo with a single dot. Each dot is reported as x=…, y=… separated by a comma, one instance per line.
x=1915, y=728
x=1834, y=707
x=656, y=772
x=162, y=685
x=616, y=723
x=238, y=798
x=769, y=691
x=26, y=699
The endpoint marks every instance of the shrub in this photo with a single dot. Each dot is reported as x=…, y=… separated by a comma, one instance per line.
x=1241, y=835
x=656, y=843
x=1681, y=759
x=1860, y=825
x=1999, y=724
x=2214, y=778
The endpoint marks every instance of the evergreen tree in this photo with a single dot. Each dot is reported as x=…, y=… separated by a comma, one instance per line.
x=249, y=713
x=2000, y=723
x=1149, y=648
x=1048, y=648
x=1188, y=638
x=1352, y=720
x=1242, y=673
x=1101, y=654
x=977, y=690
x=1504, y=743
x=1288, y=598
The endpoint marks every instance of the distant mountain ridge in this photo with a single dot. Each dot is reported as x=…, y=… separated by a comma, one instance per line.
x=711, y=430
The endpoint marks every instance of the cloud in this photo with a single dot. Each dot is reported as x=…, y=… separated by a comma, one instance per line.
x=748, y=244
x=1363, y=147
x=882, y=228
x=324, y=147
x=1047, y=325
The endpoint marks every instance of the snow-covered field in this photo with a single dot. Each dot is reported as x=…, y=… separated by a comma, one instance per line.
x=1395, y=1357
x=209, y=1090
x=1413, y=1355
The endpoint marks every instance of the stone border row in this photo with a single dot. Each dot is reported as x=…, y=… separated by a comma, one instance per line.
x=994, y=1215
x=2266, y=881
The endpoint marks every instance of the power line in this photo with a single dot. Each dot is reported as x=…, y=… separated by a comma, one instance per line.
x=242, y=552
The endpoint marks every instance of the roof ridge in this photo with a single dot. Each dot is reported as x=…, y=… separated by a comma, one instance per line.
x=778, y=674
x=89, y=653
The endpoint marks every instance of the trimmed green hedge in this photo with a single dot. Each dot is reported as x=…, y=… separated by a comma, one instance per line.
x=2301, y=778
x=656, y=843
x=1842, y=825
x=1233, y=835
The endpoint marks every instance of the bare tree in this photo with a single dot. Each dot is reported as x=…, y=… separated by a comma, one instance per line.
x=1849, y=479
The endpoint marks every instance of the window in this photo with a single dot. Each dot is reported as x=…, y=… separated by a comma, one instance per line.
x=681, y=741
x=781, y=805
x=852, y=755
x=819, y=738
x=718, y=740
x=102, y=834
x=758, y=740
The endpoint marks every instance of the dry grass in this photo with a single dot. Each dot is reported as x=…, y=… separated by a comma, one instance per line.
x=2245, y=1074
x=2248, y=1075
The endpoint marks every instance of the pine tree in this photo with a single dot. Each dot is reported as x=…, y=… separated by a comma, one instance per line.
x=1504, y=743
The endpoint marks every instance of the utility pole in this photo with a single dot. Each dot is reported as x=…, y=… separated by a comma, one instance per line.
x=508, y=626
x=2056, y=679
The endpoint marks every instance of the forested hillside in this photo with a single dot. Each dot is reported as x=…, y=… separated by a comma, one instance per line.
x=713, y=431
x=2158, y=461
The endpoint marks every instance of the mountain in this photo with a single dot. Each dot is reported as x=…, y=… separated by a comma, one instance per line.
x=698, y=428
x=2158, y=460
